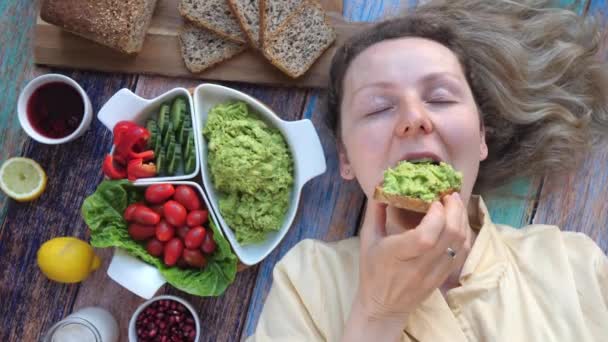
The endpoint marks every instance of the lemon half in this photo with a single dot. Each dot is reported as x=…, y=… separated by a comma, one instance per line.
x=22, y=179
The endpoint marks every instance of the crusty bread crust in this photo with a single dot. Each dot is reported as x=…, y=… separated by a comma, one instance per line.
x=406, y=202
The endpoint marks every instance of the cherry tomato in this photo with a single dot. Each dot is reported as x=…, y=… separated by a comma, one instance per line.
x=173, y=251
x=209, y=245
x=164, y=231
x=195, y=237
x=155, y=247
x=158, y=208
x=145, y=215
x=141, y=232
x=159, y=193
x=196, y=218
x=195, y=258
x=187, y=197
x=128, y=215
x=183, y=231
x=175, y=213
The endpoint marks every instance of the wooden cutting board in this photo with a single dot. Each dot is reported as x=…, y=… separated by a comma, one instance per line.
x=161, y=52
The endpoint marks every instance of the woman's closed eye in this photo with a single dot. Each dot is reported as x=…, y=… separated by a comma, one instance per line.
x=441, y=98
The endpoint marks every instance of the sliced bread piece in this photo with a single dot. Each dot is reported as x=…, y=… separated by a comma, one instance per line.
x=406, y=202
x=214, y=15
x=273, y=13
x=202, y=48
x=300, y=41
x=247, y=13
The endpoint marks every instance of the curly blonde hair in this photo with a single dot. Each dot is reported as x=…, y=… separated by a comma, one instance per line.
x=538, y=81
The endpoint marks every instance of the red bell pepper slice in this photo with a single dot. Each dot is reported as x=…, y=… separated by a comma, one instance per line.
x=112, y=170
x=137, y=169
x=145, y=155
x=120, y=128
x=133, y=140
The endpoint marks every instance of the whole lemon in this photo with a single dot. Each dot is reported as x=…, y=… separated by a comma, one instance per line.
x=67, y=259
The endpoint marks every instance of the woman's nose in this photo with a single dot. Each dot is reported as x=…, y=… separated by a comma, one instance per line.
x=413, y=120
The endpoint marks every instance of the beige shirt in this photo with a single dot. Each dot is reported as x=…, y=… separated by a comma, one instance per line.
x=531, y=284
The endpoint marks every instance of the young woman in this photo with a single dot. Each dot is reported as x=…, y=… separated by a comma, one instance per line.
x=496, y=89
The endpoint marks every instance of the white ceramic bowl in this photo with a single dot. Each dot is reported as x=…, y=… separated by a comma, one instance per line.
x=125, y=105
x=143, y=306
x=27, y=92
x=305, y=147
x=137, y=276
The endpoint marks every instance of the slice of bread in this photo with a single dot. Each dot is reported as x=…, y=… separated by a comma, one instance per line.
x=273, y=13
x=406, y=202
x=247, y=13
x=202, y=49
x=214, y=15
x=300, y=41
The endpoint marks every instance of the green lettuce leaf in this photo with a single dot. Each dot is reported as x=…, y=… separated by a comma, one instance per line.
x=102, y=212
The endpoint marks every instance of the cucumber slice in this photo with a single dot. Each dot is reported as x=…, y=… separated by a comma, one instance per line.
x=179, y=111
x=171, y=147
x=167, y=134
x=187, y=122
x=153, y=129
x=175, y=162
x=161, y=162
x=184, y=136
x=190, y=164
x=189, y=147
x=158, y=144
x=163, y=118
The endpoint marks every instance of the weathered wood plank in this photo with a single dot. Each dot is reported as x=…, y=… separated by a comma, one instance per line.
x=330, y=208
x=15, y=70
x=579, y=202
x=30, y=303
x=513, y=203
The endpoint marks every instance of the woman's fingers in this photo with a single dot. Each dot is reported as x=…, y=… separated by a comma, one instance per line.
x=455, y=232
x=419, y=241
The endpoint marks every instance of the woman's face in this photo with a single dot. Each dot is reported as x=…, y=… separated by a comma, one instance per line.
x=406, y=99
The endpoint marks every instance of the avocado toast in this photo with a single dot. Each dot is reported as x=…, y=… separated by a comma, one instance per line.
x=415, y=185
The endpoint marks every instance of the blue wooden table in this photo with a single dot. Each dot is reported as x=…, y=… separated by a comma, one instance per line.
x=331, y=209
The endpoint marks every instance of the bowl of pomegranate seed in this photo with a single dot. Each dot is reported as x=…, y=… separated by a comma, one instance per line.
x=166, y=319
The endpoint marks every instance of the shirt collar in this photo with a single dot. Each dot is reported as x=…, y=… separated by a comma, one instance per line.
x=488, y=251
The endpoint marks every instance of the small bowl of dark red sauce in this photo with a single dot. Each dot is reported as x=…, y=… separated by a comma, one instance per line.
x=54, y=109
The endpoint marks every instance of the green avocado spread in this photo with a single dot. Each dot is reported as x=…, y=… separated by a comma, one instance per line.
x=424, y=180
x=251, y=168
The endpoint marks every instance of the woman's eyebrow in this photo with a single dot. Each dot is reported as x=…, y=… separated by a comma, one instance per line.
x=383, y=85
x=439, y=76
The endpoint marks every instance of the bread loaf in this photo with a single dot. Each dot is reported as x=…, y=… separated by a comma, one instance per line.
x=118, y=24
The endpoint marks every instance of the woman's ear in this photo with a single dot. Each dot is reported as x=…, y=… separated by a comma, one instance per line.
x=346, y=170
x=483, y=147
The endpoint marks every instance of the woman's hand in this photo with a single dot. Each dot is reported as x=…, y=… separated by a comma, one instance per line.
x=397, y=272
